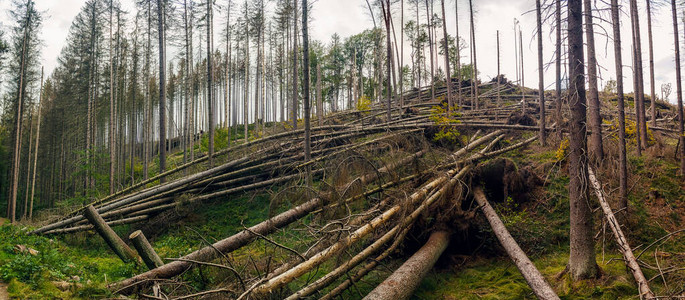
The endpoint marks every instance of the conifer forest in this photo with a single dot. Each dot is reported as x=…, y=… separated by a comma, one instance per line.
x=328, y=149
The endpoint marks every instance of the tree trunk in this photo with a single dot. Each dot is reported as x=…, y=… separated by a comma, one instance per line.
x=679, y=90
x=112, y=239
x=582, y=263
x=112, y=140
x=624, y=247
x=448, y=75
x=402, y=283
x=593, y=95
x=210, y=79
x=162, y=89
x=533, y=277
x=35, y=153
x=145, y=250
x=305, y=91
x=474, y=81
x=639, y=89
x=557, y=63
x=651, y=62
x=295, y=82
x=541, y=77
x=618, y=62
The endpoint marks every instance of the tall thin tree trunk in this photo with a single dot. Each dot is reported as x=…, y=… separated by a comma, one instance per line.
x=387, y=16
x=12, y=207
x=210, y=79
x=35, y=153
x=557, y=63
x=475, y=61
x=639, y=95
x=162, y=88
x=458, y=41
x=581, y=262
x=305, y=90
x=651, y=63
x=597, y=148
x=499, y=92
x=541, y=77
x=429, y=22
x=112, y=140
x=295, y=82
x=448, y=75
x=679, y=89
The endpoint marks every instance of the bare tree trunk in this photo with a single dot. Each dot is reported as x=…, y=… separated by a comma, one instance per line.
x=429, y=22
x=640, y=95
x=631, y=262
x=541, y=77
x=210, y=79
x=12, y=207
x=523, y=83
x=319, y=99
x=499, y=92
x=162, y=89
x=533, y=277
x=247, y=77
x=557, y=63
x=402, y=283
x=305, y=91
x=651, y=62
x=387, y=16
x=623, y=170
x=679, y=89
x=35, y=153
x=593, y=95
x=112, y=140
x=448, y=75
x=458, y=41
x=581, y=263
x=474, y=83
x=295, y=83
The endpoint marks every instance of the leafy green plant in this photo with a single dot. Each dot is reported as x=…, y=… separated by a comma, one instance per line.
x=444, y=120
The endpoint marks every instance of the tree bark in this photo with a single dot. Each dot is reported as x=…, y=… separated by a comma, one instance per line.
x=112, y=239
x=145, y=250
x=624, y=247
x=596, y=146
x=582, y=263
x=35, y=153
x=679, y=90
x=210, y=79
x=533, y=277
x=651, y=62
x=402, y=283
x=557, y=64
x=618, y=62
x=448, y=75
x=474, y=81
x=162, y=89
x=295, y=82
x=541, y=77
x=305, y=91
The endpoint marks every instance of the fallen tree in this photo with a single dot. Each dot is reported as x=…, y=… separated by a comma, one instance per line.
x=402, y=283
x=530, y=273
x=623, y=246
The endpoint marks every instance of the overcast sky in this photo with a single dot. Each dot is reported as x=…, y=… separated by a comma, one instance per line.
x=347, y=17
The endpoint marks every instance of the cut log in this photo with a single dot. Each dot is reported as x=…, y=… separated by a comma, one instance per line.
x=113, y=240
x=629, y=257
x=531, y=274
x=402, y=283
x=145, y=250
x=124, y=221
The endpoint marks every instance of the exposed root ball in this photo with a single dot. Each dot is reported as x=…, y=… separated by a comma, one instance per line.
x=519, y=118
x=502, y=179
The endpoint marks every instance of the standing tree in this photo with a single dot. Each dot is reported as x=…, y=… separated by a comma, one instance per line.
x=679, y=90
x=581, y=261
x=210, y=79
x=112, y=140
x=652, y=94
x=448, y=74
x=641, y=125
x=593, y=95
x=623, y=169
x=293, y=108
x=557, y=64
x=24, y=58
x=474, y=77
x=162, y=86
x=305, y=91
x=385, y=5
x=541, y=76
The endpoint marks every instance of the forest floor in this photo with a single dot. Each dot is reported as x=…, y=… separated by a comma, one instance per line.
x=3, y=292
x=80, y=266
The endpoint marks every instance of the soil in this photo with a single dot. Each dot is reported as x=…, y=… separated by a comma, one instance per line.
x=3, y=292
